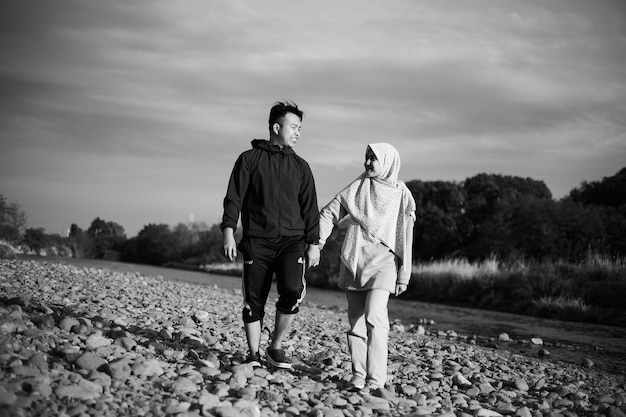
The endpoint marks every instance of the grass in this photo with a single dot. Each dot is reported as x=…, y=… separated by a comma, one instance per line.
x=225, y=268
x=562, y=306
x=592, y=290
x=461, y=268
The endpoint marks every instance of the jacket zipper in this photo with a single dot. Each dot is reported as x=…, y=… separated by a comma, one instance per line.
x=280, y=183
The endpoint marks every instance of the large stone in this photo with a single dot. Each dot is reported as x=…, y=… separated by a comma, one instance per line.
x=184, y=385
x=39, y=361
x=95, y=341
x=83, y=390
x=504, y=337
x=520, y=384
x=461, y=381
x=148, y=368
x=7, y=398
x=484, y=412
x=119, y=369
x=67, y=323
x=90, y=361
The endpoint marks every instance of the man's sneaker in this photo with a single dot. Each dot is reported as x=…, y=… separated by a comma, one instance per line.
x=357, y=383
x=277, y=358
x=253, y=359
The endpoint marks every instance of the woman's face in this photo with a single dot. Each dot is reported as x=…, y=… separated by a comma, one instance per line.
x=372, y=165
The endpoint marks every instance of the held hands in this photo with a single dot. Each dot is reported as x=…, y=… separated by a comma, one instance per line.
x=400, y=288
x=230, y=245
x=312, y=256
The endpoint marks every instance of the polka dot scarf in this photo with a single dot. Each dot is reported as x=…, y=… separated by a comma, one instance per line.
x=378, y=206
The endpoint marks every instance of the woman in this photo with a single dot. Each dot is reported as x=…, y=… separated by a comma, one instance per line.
x=375, y=257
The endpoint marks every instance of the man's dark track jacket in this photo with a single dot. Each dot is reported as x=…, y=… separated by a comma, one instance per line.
x=274, y=191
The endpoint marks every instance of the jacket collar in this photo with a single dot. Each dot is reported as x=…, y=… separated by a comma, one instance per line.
x=267, y=146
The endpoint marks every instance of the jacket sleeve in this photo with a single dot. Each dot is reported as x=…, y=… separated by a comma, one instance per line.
x=237, y=186
x=404, y=274
x=309, y=208
x=330, y=215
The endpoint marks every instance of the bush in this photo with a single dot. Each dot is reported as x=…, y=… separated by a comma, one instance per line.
x=6, y=250
x=567, y=291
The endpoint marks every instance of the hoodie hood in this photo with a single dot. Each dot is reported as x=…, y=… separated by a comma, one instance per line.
x=267, y=146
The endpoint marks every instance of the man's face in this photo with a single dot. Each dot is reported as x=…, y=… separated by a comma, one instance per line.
x=288, y=131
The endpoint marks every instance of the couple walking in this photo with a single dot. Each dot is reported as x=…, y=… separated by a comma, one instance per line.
x=273, y=191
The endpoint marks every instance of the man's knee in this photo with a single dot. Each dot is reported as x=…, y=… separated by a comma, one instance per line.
x=250, y=315
x=289, y=303
x=287, y=309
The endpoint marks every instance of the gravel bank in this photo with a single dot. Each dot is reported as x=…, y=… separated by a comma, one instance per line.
x=90, y=342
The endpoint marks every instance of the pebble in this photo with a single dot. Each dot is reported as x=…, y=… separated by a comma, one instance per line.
x=92, y=342
x=67, y=323
x=84, y=390
x=148, y=368
x=587, y=363
x=184, y=385
x=95, y=341
x=521, y=385
x=89, y=361
x=461, y=381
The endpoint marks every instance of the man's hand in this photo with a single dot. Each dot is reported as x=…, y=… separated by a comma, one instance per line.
x=230, y=246
x=400, y=288
x=312, y=256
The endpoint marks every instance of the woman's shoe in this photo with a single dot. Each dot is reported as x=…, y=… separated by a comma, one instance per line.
x=357, y=383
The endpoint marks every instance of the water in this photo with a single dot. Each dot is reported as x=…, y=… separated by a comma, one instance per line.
x=568, y=342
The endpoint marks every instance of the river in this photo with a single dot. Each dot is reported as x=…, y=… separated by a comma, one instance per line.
x=565, y=341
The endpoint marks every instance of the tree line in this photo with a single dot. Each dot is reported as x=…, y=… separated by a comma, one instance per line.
x=512, y=217
x=483, y=216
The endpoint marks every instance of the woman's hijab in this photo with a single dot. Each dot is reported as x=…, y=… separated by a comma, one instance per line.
x=378, y=206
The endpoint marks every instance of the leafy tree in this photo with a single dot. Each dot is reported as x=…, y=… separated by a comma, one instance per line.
x=12, y=220
x=152, y=245
x=102, y=229
x=188, y=249
x=36, y=239
x=490, y=201
x=180, y=239
x=604, y=206
x=184, y=246
x=578, y=230
x=107, y=239
x=610, y=191
x=486, y=191
x=440, y=225
x=80, y=244
x=532, y=227
x=197, y=228
x=76, y=232
x=615, y=229
x=209, y=248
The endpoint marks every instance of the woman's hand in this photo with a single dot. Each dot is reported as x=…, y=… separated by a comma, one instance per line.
x=400, y=288
x=312, y=256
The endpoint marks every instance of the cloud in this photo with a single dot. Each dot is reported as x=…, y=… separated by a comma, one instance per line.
x=128, y=96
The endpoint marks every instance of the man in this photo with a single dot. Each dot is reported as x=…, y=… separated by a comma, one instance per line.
x=274, y=190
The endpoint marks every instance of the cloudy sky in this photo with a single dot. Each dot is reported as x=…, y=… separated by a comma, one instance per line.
x=135, y=112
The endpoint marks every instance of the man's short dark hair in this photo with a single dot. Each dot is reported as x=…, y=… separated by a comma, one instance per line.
x=280, y=109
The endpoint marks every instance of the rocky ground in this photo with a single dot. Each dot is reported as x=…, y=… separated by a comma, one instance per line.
x=90, y=342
